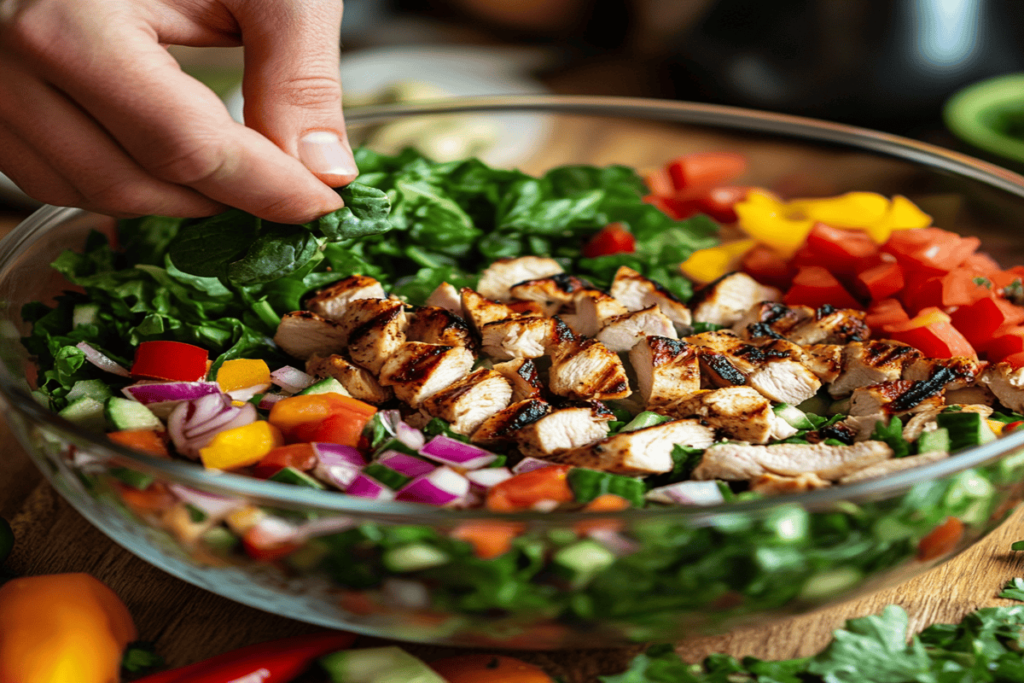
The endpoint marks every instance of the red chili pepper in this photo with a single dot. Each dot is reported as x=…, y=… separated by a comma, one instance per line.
x=276, y=661
x=170, y=360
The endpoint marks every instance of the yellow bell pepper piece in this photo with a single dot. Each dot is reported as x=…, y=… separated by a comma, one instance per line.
x=242, y=373
x=62, y=628
x=707, y=265
x=850, y=210
x=996, y=426
x=903, y=214
x=241, y=446
x=768, y=221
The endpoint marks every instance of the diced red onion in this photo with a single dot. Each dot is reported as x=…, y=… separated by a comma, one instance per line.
x=688, y=493
x=489, y=476
x=337, y=464
x=443, y=486
x=246, y=393
x=406, y=464
x=530, y=464
x=449, y=451
x=323, y=527
x=213, y=505
x=406, y=434
x=268, y=400
x=336, y=454
x=101, y=361
x=368, y=487
x=193, y=424
x=219, y=423
x=614, y=541
x=148, y=393
x=291, y=379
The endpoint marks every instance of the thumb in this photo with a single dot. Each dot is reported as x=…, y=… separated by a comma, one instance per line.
x=291, y=85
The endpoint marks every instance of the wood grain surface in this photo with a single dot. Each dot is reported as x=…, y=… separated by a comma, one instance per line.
x=189, y=624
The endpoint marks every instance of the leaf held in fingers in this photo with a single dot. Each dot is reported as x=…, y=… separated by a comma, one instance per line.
x=365, y=213
x=280, y=250
x=206, y=247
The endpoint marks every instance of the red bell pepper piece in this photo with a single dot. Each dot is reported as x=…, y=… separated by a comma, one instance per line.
x=884, y=313
x=768, y=267
x=276, y=661
x=842, y=251
x=611, y=239
x=1016, y=360
x=932, y=250
x=1006, y=342
x=704, y=170
x=959, y=287
x=659, y=182
x=982, y=264
x=881, y=281
x=936, y=340
x=719, y=202
x=676, y=209
x=170, y=360
x=979, y=321
x=815, y=286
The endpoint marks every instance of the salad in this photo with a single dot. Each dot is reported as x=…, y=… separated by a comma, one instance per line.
x=467, y=337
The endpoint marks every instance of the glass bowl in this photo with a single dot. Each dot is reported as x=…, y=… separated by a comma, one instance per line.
x=399, y=570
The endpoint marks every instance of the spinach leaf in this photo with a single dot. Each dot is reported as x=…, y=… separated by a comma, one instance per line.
x=365, y=213
x=280, y=250
x=206, y=247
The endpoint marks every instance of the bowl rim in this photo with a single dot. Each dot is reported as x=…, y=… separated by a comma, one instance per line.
x=14, y=393
x=963, y=111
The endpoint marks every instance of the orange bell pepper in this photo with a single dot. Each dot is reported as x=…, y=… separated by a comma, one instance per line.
x=241, y=446
x=291, y=413
x=62, y=628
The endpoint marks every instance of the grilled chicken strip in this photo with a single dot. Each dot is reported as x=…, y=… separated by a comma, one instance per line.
x=769, y=320
x=471, y=400
x=497, y=279
x=522, y=374
x=926, y=419
x=737, y=462
x=824, y=360
x=978, y=394
x=666, y=370
x=774, y=485
x=518, y=337
x=951, y=373
x=359, y=382
x=887, y=467
x=590, y=371
x=636, y=293
x=447, y=297
x=376, y=329
x=622, y=332
x=436, y=325
x=480, y=310
x=563, y=430
x=592, y=309
x=728, y=299
x=332, y=302
x=896, y=398
x=740, y=413
x=829, y=325
x=504, y=425
x=552, y=293
x=640, y=452
x=1006, y=383
x=872, y=362
x=417, y=371
x=303, y=333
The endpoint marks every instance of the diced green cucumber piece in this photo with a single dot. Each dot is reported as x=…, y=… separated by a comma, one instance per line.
x=414, y=557
x=85, y=314
x=378, y=665
x=965, y=430
x=587, y=485
x=86, y=412
x=386, y=475
x=135, y=479
x=290, y=475
x=393, y=444
x=220, y=540
x=644, y=420
x=124, y=414
x=935, y=440
x=93, y=388
x=794, y=416
x=583, y=560
x=325, y=386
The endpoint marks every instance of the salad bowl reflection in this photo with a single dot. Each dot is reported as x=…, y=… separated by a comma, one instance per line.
x=566, y=579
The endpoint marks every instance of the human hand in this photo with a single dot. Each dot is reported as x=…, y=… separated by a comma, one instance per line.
x=95, y=113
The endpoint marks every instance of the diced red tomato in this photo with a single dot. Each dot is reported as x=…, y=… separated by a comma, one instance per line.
x=980, y=320
x=958, y=287
x=719, y=202
x=300, y=456
x=704, y=170
x=1005, y=278
x=611, y=239
x=881, y=281
x=295, y=411
x=982, y=264
x=935, y=340
x=815, y=286
x=942, y=539
x=884, y=313
x=768, y=267
x=260, y=546
x=522, y=491
x=1005, y=342
x=344, y=427
x=170, y=360
x=659, y=182
x=842, y=251
x=931, y=250
x=673, y=207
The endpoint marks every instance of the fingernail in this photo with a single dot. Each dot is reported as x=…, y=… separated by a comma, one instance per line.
x=323, y=152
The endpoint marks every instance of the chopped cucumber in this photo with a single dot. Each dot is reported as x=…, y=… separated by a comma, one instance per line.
x=220, y=540
x=325, y=386
x=965, y=430
x=414, y=557
x=644, y=420
x=583, y=560
x=936, y=440
x=93, y=388
x=290, y=475
x=386, y=475
x=85, y=314
x=587, y=485
x=86, y=412
x=123, y=414
x=794, y=416
x=378, y=665
x=137, y=480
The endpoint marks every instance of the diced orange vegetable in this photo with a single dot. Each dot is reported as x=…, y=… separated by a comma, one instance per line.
x=881, y=281
x=607, y=502
x=980, y=320
x=241, y=446
x=289, y=413
x=523, y=491
x=242, y=373
x=148, y=441
x=154, y=498
x=489, y=539
x=941, y=540
x=982, y=264
x=768, y=267
x=815, y=286
x=885, y=312
x=704, y=170
x=300, y=456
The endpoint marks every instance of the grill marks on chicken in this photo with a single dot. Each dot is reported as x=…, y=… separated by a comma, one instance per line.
x=729, y=298
x=667, y=370
x=640, y=452
x=466, y=403
x=416, y=371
